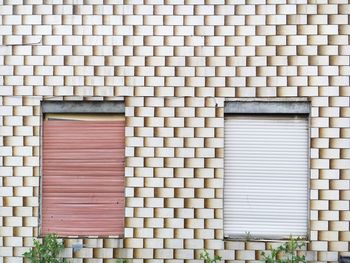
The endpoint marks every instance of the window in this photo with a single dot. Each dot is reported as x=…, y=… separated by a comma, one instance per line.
x=266, y=169
x=82, y=169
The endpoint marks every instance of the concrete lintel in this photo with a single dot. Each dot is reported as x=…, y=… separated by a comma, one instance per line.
x=265, y=107
x=83, y=107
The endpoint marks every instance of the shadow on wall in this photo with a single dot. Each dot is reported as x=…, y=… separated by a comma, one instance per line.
x=344, y=259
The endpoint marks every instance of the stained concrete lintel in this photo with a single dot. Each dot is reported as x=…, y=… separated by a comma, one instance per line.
x=266, y=107
x=83, y=107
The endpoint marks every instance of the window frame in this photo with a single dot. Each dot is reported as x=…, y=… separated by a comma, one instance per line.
x=271, y=107
x=71, y=108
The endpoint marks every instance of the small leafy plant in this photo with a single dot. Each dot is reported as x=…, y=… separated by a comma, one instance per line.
x=47, y=251
x=121, y=260
x=248, y=236
x=207, y=259
x=286, y=253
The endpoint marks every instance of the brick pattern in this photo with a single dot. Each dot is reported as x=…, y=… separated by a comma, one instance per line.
x=174, y=63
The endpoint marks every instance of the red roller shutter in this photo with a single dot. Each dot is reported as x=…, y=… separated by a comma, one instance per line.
x=83, y=177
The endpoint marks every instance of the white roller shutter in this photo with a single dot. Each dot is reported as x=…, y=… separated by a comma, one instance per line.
x=266, y=176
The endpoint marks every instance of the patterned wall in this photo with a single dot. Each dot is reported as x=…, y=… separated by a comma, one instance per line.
x=174, y=62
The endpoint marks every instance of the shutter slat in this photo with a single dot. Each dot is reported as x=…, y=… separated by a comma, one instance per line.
x=266, y=176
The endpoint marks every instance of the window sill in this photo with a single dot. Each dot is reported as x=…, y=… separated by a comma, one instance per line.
x=87, y=237
x=263, y=239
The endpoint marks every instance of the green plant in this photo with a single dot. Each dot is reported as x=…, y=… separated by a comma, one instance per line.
x=286, y=253
x=121, y=260
x=248, y=236
x=207, y=259
x=47, y=251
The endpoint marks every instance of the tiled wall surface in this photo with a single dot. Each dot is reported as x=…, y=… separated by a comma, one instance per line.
x=174, y=63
